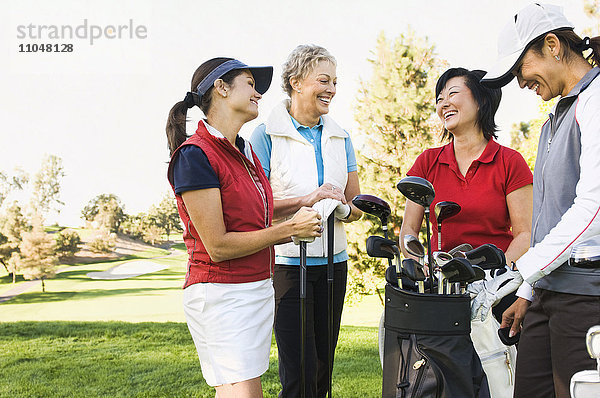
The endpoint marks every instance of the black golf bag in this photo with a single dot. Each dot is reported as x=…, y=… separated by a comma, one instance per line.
x=428, y=352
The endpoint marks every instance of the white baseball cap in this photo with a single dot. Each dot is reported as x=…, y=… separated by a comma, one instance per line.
x=529, y=24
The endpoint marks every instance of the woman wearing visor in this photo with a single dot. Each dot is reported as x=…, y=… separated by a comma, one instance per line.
x=226, y=205
x=539, y=47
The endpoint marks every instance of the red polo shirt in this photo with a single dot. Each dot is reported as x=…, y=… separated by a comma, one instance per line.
x=481, y=193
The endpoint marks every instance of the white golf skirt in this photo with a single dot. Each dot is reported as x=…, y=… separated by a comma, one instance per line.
x=231, y=324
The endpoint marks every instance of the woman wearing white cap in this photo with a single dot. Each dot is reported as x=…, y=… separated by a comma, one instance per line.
x=308, y=157
x=226, y=205
x=539, y=47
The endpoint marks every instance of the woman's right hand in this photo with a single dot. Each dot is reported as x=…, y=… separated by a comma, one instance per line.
x=306, y=223
x=325, y=191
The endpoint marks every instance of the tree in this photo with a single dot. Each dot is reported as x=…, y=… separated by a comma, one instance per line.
x=66, y=243
x=395, y=112
x=36, y=259
x=12, y=225
x=10, y=183
x=46, y=185
x=591, y=9
x=165, y=215
x=106, y=210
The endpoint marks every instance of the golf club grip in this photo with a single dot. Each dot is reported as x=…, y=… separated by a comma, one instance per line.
x=302, y=269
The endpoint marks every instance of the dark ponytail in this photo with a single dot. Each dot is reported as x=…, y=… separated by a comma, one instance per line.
x=575, y=45
x=594, y=44
x=178, y=115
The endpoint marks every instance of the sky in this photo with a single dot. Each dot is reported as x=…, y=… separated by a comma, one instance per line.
x=102, y=107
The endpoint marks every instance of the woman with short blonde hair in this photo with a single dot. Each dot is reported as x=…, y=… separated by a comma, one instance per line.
x=307, y=157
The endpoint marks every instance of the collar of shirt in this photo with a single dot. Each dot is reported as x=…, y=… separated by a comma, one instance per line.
x=584, y=82
x=309, y=133
x=487, y=156
x=240, y=143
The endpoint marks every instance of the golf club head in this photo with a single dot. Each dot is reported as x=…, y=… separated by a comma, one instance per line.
x=460, y=250
x=413, y=270
x=380, y=247
x=391, y=276
x=487, y=256
x=586, y=254
x=479, y=274
x=373, y=205
x=441, y=258
x=445, y=209
x=417, y=189
x=413, y=246
x=458, y=270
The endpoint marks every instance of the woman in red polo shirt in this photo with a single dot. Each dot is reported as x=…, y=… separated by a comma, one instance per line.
x=226, y=204
x=491, y=183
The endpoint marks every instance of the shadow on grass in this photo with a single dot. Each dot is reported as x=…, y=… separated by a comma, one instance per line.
x=7, y=279
x=39, y=297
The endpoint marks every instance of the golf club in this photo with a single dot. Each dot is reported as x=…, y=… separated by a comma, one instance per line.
x=414, y=271
x=487, y=256
x=380, y=247
x=375, y=206
x=456, y=270
x=444, y=210
x=420, y=191
x=330, y=236
x=460, y=250
x=439, y=259
x=303, y=242
x=413, y=246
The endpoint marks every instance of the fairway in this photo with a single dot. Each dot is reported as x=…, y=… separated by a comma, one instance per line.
x=128, y=338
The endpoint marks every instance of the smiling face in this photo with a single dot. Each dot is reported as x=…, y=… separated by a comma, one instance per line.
x=456, y=107
x=315, y=91
x=242, y=96
x=537, y=72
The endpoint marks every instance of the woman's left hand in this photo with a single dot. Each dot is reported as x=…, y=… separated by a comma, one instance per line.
x=513, y=316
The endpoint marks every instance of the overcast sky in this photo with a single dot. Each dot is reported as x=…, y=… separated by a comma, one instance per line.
x=102, y=107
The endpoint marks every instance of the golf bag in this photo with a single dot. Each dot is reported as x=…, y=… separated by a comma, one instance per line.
x=428, y=352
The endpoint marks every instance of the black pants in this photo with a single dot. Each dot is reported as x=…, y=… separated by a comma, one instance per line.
x=552, y=345
x=286, y=281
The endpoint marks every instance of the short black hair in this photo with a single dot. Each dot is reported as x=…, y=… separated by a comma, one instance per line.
x=488, y=99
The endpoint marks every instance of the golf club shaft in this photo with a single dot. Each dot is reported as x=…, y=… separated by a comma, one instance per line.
x=384, y=227
x=429, y=264
x=330, y=227
x=303, y=318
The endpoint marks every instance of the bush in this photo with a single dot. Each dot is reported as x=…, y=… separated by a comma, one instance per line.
x=104, y=242
x=67, y=243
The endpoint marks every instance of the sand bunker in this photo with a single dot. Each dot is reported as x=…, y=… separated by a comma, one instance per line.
x=129, y=269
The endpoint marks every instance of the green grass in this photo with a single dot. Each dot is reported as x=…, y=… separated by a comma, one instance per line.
x=115, y=359
x=127, y=338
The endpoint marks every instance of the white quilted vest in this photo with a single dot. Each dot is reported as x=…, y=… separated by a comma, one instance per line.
x=294, y=171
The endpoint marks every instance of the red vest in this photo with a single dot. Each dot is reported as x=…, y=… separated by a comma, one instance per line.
x=243, y=201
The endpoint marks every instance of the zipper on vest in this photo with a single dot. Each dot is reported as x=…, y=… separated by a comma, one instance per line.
x=263, y=196
x=551, y=119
